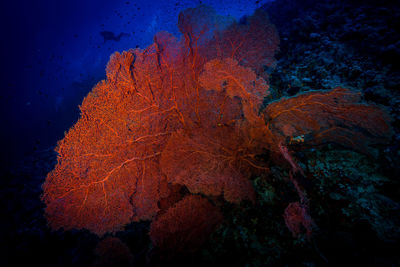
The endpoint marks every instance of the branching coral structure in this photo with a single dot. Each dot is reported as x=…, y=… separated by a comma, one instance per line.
x=186, y=112
x=186, y=225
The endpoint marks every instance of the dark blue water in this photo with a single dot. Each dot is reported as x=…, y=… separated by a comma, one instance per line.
x=54, y=53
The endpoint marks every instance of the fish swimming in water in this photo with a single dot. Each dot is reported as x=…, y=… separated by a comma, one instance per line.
x=107, y=35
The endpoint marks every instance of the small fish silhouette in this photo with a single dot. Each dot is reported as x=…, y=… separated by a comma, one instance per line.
x=107, y=35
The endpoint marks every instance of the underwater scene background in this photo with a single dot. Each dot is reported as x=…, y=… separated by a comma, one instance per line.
x=243, y=133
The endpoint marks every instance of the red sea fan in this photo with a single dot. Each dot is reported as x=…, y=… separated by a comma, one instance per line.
x=186, y=225
x=298, y=220
x=227, y=75
x=214, y=163
x=187, y=112
x=329, y=116
x=108, y=162
x=108, y=172
x=252, y=43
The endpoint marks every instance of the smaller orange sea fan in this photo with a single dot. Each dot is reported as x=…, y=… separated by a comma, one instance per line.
x=336, y=116
x=185, y=226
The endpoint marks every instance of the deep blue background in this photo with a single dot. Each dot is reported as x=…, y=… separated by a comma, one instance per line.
x=53, y=54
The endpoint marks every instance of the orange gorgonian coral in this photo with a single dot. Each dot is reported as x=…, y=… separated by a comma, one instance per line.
x=108, y=172
x=186, y=225
x=185, y=113
x=329, y=116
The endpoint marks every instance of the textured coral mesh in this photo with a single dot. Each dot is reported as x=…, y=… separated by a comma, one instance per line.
x=187, y=112
x=108, y=172
x=186, y=225
x=330, y=116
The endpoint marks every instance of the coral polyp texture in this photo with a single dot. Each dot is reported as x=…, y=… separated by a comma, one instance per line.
x=186, y=225
x=332, y=116
x=186, y=112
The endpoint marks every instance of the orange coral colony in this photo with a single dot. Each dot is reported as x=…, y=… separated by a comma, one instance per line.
x=187, y=112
